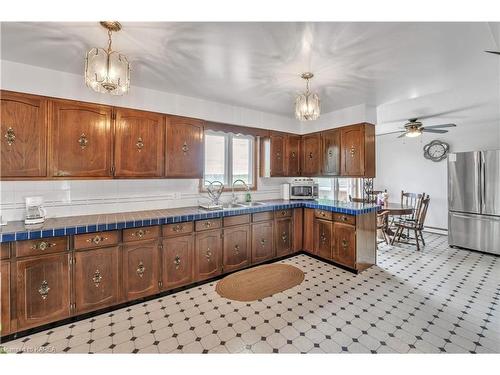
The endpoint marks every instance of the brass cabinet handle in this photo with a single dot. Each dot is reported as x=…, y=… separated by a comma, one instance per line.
x=263, y=242
x=237, y=249
x=294, y=154
x=185, y=147
x=97, y=278
x=97, y=239
x=278, y=155
x=10, y=136
x=322, y=213
x=83, y=141
x=207, y=224
x=42, y=246
x=178, y=228
x=140, y=233
x=345, y=243
x=139, y=144
x=177, y=262
x=44, y=289
x=352, y=151
x=208, y=255
x=283, y=213
x=284, y=237
x=140, y=269
x=310, y=155
x=322, y=237
x=330, y=153
x=344, y=218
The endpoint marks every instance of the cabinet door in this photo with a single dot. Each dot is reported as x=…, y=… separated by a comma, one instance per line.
x=43, y=292
x=96, y=279
x=311, y=155
x=277, y=155
x=323, y=238
x=344, y=250
x=140, y=269
x=184, y=152
x=80, y=141
x=139, y=140
x=237, y=247
x=309, y=230
x=298, y=229
x=177, y=261
x=330, y=142
x=24, y=135
x=208, y=254
x=262, y=242
x=353, y=150
x=5, y=296
x=283, y=236
x=292, y=155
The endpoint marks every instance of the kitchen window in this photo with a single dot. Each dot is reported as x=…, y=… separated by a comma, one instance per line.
x=229, y=157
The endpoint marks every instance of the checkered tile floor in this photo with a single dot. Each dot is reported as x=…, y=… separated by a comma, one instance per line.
x=440, y=300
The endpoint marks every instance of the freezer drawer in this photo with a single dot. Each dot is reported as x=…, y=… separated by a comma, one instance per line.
x=476, y=232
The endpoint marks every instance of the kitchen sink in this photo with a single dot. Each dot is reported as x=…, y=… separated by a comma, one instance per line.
x=249, y=204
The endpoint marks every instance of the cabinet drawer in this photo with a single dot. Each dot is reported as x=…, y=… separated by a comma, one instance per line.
x=208, y=224
x=100, y=239
x=321, y=214
x=171, y=230
x=283, y=213
x=145, y=233
x=5, y=250
x=42, y=246
x=236, y=220
x=344, y=218
x=262, y=216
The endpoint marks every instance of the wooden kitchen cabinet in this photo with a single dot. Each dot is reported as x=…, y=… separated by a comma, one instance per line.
x=208, y=254
x=283, y=236
x=43, y=290
x=344, y=249
x=177, y=261
x=311, y=155
x=330, y=146
x=5, y=297
x=308, y=230
x=24, y=135
x=236, y=248
x=277, y=155
x=184, y=147
x=358, y=150
x=292, y=155
x=323, y=238
x=139, y=143
x=97, y=283
x=298, y=230
x=80, y=140
x=262, y=241
x=141, y=265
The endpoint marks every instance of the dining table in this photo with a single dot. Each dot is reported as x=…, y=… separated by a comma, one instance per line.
x=395, y=209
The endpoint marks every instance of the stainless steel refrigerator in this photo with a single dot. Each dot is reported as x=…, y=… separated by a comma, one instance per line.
x=474, y=200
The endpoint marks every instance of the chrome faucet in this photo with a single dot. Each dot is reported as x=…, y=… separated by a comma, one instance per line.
x=234, y=199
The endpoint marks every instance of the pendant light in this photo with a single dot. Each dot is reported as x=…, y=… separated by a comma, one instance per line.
x=307, y=103
x=107, y=71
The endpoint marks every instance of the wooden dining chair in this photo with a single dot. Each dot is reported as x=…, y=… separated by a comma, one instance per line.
x=416, y=225
x=383, y=226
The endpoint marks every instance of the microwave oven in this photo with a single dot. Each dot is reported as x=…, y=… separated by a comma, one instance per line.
x=304, y=188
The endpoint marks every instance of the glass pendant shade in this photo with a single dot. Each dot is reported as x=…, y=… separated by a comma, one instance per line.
x=307, y=104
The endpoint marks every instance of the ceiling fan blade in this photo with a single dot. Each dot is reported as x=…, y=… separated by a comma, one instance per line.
x=394, y=132
x=441, y=126
x=493, y=52
x=434, y=131
x=402, y=135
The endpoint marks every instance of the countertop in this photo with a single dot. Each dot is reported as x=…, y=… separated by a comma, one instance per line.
x=17, y=231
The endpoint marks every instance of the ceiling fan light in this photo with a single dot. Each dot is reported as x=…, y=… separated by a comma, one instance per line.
x=413, y=133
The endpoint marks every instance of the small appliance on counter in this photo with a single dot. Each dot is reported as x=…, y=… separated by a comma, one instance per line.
x=285, y=191
x=304, y=188
x=35, y=213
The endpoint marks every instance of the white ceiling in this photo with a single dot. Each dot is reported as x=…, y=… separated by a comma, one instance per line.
x=257, y=65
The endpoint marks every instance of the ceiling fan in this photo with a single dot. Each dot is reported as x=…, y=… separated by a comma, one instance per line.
x=493, y=52
x=414, y=128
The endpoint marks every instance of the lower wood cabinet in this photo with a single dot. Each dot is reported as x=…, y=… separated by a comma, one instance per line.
x=177, y=261
x=141, y=268
x=344, y=249
x=283, y=236
x=97, y=282
x=237, y=247
x=298, y=230
x=208, y=254
x=323, y=238
x=5, y=293
x=308, y=230
x=262, y=241
x=43, y=290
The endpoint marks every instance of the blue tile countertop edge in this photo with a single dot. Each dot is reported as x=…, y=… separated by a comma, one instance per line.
x=16, y=231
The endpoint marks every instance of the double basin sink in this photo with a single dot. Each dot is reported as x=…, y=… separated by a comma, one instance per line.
x=230, y=206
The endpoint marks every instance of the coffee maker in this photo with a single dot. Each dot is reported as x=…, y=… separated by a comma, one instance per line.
x=35, y=213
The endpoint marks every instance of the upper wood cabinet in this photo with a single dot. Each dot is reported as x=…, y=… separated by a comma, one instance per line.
x=184, y=147
x=330, y=145
x=358, y=150
x=24, y=135
x=277, y=154
x=311, y=151
x=292, y=155
x=139, y=143
x=80, y=140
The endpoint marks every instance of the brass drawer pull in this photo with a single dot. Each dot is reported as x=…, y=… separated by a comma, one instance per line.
x=310, y=155
x=139, y=144
x=330, y=154
x=352, y=151
x=263, y=242
x=178, y=228
x=322, y=213
x=283, y=213
x=207, y=224
x=237, y=249
x=83, y=141
x=10, y=136
x=42, y=246
x=97, y=239
x=185, y=147
x=97, y=278
x=278, y=155
x=44, y=289
x=177, y=262
x=140, y=233
x=208, y=255
x=344, y=218
x=293, y=155
x=284, y=237
x=141, y=269
x=322, y=238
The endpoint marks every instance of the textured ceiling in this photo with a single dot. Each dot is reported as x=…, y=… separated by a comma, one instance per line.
x=257, y=65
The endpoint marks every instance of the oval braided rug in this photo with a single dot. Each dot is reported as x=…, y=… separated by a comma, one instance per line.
x=259, y=282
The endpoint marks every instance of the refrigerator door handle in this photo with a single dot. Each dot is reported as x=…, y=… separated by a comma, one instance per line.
x=476, y=217
x=483, y=183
